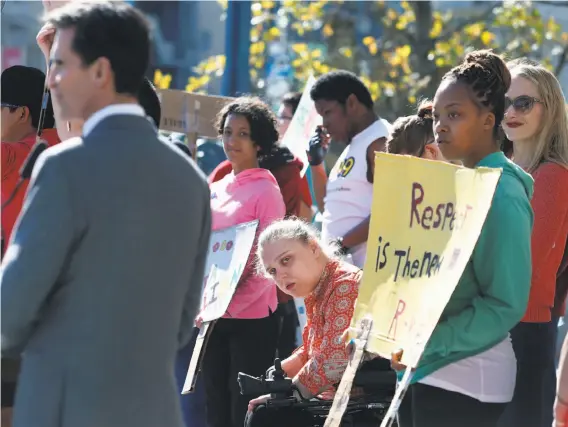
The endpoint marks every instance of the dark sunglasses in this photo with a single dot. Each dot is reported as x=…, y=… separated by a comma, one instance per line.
x=521, y=104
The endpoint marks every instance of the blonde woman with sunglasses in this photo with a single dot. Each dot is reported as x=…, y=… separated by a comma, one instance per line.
x=536, y=122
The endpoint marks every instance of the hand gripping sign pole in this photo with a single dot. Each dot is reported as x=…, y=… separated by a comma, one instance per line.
x=341, y=399
x=342, y=396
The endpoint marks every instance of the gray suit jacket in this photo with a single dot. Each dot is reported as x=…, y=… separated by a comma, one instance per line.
x=102, y=279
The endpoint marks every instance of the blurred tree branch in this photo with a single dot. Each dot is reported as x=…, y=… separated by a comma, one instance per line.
x=481, y=16
x=553, y=3
x=404, y=59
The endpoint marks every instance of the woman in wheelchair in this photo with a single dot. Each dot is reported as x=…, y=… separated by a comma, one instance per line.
x=291, y=253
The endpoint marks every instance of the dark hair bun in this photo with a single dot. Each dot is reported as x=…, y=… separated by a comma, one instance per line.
x=491, y=62
x=425, y=110
x=487, y=75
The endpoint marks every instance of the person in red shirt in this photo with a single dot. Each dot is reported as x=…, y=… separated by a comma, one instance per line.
x=537, y=124
x=21, y=98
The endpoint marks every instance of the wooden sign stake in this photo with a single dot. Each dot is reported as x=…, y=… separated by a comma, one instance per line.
x=197, y=357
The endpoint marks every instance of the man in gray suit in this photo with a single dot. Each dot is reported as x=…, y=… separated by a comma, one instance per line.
x=102, y=278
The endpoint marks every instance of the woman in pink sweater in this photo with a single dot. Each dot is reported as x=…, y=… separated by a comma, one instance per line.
x=245, y=339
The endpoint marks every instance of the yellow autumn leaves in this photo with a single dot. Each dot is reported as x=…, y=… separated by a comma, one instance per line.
x=205, y=70
x=162, y=81
x=396, y=64
x=308, y=61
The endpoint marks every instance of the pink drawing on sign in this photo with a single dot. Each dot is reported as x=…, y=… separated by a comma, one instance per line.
x=229, y=245
x=399, y=310
x=216, y=247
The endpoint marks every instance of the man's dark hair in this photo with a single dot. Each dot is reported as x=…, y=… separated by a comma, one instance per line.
x=261, y=119
x=113, y=30
x=148, y=99
x=292, y=100
x=338, y=85
x=23, y=87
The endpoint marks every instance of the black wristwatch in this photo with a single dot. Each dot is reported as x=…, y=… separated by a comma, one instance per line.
x=343, y=250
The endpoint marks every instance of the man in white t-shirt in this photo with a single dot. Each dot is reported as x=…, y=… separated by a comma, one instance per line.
x=345, y=197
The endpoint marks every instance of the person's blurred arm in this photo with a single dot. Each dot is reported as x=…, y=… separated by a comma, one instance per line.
x=295, y=362
x=318, y=148
x=319, y=182
x=358, y=234
x=305, y=212
x=306, y=202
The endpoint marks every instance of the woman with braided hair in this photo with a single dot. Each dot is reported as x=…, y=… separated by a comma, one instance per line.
x=466, y=375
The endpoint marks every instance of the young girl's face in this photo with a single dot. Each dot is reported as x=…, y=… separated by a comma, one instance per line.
x=237, y=143
x=293, y=265
x=462, y=129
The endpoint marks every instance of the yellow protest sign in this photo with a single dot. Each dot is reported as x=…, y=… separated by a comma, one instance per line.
x=425, y=221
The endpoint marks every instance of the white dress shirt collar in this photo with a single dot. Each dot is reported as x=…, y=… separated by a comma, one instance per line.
x=111, y=110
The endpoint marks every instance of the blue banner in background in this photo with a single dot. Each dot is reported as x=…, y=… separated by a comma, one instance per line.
x=236, y=79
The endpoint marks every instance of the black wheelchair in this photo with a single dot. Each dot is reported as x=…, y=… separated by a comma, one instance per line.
x=375, y=377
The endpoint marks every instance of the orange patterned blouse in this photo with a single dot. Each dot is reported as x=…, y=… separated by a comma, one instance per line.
x=329, y=309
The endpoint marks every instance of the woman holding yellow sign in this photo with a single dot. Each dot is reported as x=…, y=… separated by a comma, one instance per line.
x=466, y=375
